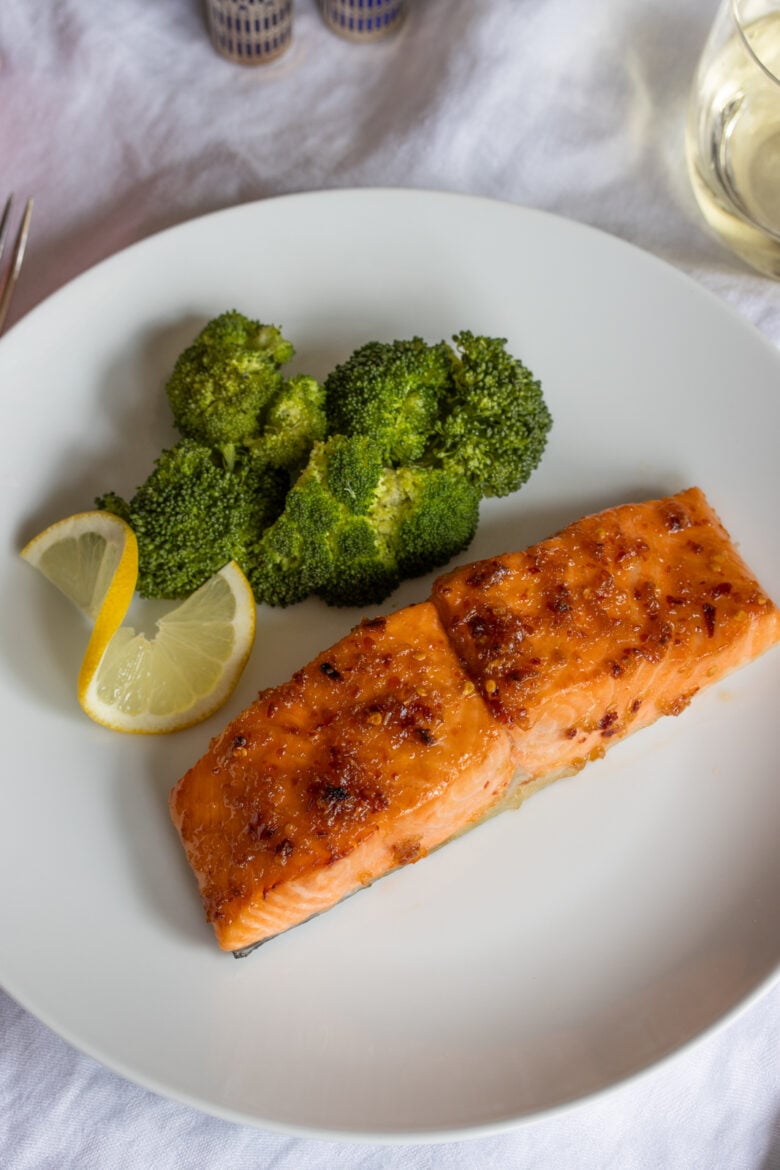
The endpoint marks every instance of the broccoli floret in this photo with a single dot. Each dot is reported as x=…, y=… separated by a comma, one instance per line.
x=364, y=568
x=437, y=518
x=390, y=391
x=111, y=502
x=223, y=383
x=234, y=328
x=352, y=528
x=193, y=515
x=494, y=425
x=352, y=467
x=420, y=518
x=293, y=555
x=295, y=420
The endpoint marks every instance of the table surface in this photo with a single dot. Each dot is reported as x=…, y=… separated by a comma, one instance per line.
x=121, y=120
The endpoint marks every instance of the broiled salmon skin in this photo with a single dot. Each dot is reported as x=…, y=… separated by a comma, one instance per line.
x=375, y=753
x=417, y=726
x=619, y=619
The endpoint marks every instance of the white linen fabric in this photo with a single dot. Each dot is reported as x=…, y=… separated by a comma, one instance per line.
x=120, y=120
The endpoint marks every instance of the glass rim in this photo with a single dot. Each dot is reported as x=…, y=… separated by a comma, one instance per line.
x=739, y=21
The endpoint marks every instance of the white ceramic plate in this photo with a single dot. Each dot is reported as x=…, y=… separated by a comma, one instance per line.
x=553, y=952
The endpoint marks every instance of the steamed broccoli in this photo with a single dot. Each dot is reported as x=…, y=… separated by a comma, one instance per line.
x=293, y=556
x=473, y=409
x=353, y=528
x=494, y=423
x=224, y=382
x=388, y=461
x=391, y=391
x=294, y=421
x=419, y=519
x=193, y=515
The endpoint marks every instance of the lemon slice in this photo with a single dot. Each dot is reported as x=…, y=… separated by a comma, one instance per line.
x=92, y=558
x=127, y=681
x=183, y=674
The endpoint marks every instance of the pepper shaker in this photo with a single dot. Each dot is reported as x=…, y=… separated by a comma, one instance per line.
x=363, y=20
x=250, y=32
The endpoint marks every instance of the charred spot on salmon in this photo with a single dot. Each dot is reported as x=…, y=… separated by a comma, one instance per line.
x=559, y=601
x=522, y=674
x=677, y=706
x=374, y=623
x=479, y=627
x=637, y=703
x=570, y=733
x=496, y=632
x=350, y=800
x=485, y=574
x=332, y=792
x=238, y=746
x=721, y=589
x=405, y=852
x=261, y=829
x=675, y=519
x=664, y=635
x=615, y=669
x=709, y=618
x=401, y=716
x=640, y=548
x=330, y=671
x=284, y=849
x=607, y=723
x=647, y=596
x=424, y=735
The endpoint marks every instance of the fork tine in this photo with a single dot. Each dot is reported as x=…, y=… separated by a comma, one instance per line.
x=17, y=257
x=4, y=223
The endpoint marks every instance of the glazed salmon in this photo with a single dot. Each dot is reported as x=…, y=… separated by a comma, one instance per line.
x=595, y=633
x=372, y=755
x=417, y=726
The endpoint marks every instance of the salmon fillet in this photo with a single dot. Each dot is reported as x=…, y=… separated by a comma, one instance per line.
x=595, y=633
x=417, y=726
x=375, y=753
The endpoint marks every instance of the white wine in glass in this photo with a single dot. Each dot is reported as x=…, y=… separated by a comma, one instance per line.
x=733, y=142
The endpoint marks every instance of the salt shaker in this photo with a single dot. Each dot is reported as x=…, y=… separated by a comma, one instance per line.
x=363, y=20
x=250, y=32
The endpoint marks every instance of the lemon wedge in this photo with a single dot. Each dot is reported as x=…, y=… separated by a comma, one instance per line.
x=92, y=558
x=129, y=682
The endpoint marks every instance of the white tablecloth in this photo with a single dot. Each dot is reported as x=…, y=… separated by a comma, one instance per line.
x=121, y=120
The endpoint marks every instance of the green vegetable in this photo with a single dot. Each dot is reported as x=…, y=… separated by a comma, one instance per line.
x=494, y=424
x=293, y=556
x=352, y=528
x=224, y=383
x=390, y=391
x=294, y=421
x=474, y=409
x=193, y=515
x=343, y=489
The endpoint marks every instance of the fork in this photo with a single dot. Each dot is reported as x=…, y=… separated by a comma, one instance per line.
x=8, y=282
